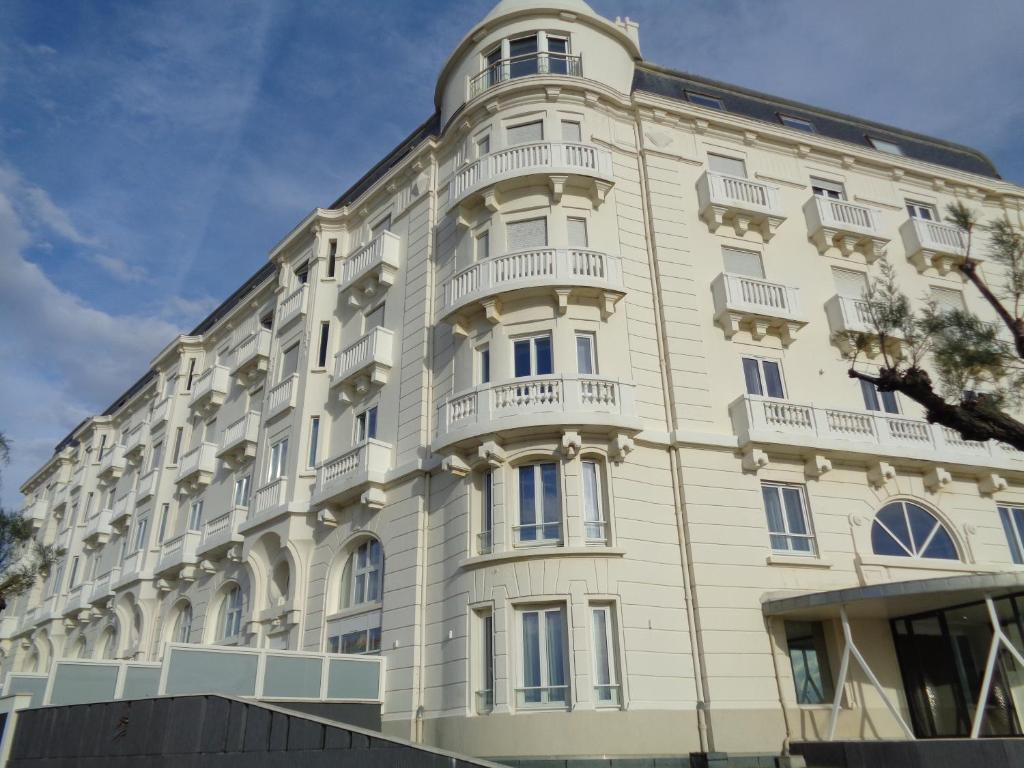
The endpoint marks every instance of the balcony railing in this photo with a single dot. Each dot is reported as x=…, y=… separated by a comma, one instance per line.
x=122, y=510
x=78, y=598
x=761, y=419
x=282, y=396
x=211, y=389
x=266, y=500
x=371, y=267
x=177, y=552
x=934, y=244
x=113, y=464
x=133, y=568
x=342, y=478
x=197, y=467
x=103, y=586
x=365, y=363
x=534, y=401
x=757, y=304
x=252, y=355
x=740, y=202
x=525, y=159
x=147, y=485
x=97, y=528
x=239, y=440
x=846, y=226
x=292, y=306
x=161, y=410
x=136, y=440
x=221, y=531
x=537, y=268
x=526, y=65
x=849, y=315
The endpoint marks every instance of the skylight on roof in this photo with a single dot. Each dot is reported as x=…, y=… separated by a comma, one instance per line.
x=885, y=146
x=796, y=122
x=704, y=100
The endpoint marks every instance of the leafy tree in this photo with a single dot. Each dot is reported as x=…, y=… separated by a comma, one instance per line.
x=976, y=367
x=23, y=560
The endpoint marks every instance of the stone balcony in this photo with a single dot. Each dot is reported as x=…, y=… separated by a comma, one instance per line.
x=35, y=513
x=197, y=467
x=847, y=226
x=292, y=306
x=356, y=475
x=98, y=528
x=103, y=586
x=536, y=404
x=758, y=306
x=210, y=390
x=267, y=503
x=559, y=163
x=77, y=600
x=160, y=413
x=740, y=203
x=556, y=272
x=370, y=269
x=282, y=396
x=61, y=496
x=766, y=421
x=112, y=465
x=136, y=440
x=147, y=485
x=934, y=244
x=135, y=567
x=238, y=442
x=847, y=316
x=251, y=357
x=77, y=477
x=535, y=64
x=121, y=512
x=363, y=365
x=221, y=533
x=178, y=555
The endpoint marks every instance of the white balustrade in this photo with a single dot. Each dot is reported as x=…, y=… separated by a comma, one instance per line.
x=135, y=439
x=161, y=410
x=212, y=385
x=200, y=460
x=122, y=509
x=380, y=255
x=147, y=484
x=271, y=495
x=936, y=236
x=113, y=463
x=244, y=331
x=222, y=530
x=844, y=215
x=292, y=306
x=749, y=294
x=282, y=396
x=738, y=193
x=847, y=314
x=253, y=349
x=375, y=348
x=369, y=461
x=181, y=550
x=245, y=429
x=103, y=585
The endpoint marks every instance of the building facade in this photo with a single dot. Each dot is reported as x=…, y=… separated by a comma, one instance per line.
x=550, y=410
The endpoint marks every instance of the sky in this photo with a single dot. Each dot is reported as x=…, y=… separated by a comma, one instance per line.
x=152, y=153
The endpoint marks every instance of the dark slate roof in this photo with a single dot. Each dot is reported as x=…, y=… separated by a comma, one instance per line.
x=834, y=125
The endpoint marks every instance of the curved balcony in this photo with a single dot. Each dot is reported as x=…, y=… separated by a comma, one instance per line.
x=133, y=568
x=355, y=474
x=562, y=272
x=536, y=403
x=743, y=203
x=525, y=65
x=558, y=162
x=934, y=244
x=757, y=305
x=370, y=269
x=846, y=226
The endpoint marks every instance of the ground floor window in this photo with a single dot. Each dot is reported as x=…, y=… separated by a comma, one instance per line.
x=362, y=641
x=808, y=655
x=544, y=679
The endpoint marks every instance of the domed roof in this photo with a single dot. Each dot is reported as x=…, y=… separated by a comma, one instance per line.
x=514, y=6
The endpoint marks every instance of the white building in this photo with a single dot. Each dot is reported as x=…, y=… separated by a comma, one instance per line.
x=547, y=411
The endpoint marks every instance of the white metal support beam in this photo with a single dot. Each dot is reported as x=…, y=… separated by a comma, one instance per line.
x=999, y=638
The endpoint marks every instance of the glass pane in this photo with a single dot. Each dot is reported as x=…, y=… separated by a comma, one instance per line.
x=543, y=347
x=527, y=504
x=591, y=503
x=773, y=509
x=585, y=354
x=889, y=402
x=531, y=655
x=773, y=379
x=922, y=525
x=578, y=233
x=531, y=233
x=556, y=658
x=521, y=354
x=752, y=376
x=353, y=679
x=1011, y=537
x=602, y=672
x=571, y=131
x=194, y=671
x=942, y=546
x=371, y=423
x=292, y=677
x=794, y=510
x=552, y=505
x=867, y=389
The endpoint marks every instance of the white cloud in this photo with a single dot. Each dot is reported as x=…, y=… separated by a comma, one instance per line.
x=119, y=268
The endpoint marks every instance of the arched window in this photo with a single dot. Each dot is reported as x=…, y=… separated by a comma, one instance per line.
x=183, y=624
x=364, y=575
x=231, y=614
x=904, y=529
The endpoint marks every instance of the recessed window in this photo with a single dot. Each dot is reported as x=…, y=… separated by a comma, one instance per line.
x=763, y=377
x=607, y=691
x=165, y=513
x=384, y=225
x=526, y=234
x=904, y=529
x=362, y=641
x=1013, y=526
x=532, y=356
x=742, y=262
x=485, y=674
x=366, y=573
x=885, y=146
x=789, y=526
x=321, y=354
x=302, y=274
x=576, y=227
x=808, y=655
x=572, y=131
x=797, y=123
x=373, y=319
x=586, y=355
x=191, y=374
x=875, y=400
x=141, y=530
x=525, y=133
x=314, y=438
x=544, y=678
x=485, y=539
x=278, y=460
x=483, y=146
x=183, y=624
x=195, y=516
x=231, y=614
x=483, y=357
x=946, y=299
x=703, y=100
x=289, y=362
x=366, y=425
x=179, y=434
x=595, y=525
x=332, y=258
x=240, y=497
x=483, y=245
x=923, y=211
x=826, y=188
x=727, y=166
x=540, y=504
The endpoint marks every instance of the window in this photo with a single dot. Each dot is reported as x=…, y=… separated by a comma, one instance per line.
x=557, y=60
x=525, y=133
x=727, y=166
x=483, y=146
x=195, y=515
x=532, y=356
x=314, y=437
x=384, y=225
x=796, y=122
x=373, y=319
x=586, y=358
x=594, y=523
x=526, y=234
x=703, y=100
x=183, y=624
x=367, y=586
x=362, y=641
x=179, y=434
x=544, y=659
x=740, y=262
x=874, y=400
x=850, y=284
x=278, y=459
x=826, y=188
x=302, y=274
x=808, y=656
x=366, y=425
x=289, y=362
x=572, y=131
x=540, y=508
x=485, y=646
x=210, y=431
x=267, y=321
x=763, y=377
x=904, y=529
x=485, y=539
x=141, y=529
x=191, y=374
x=73, y=578
x=332, y=258
x=168, y=386
x=924, y=211
x=483, y=245
x=483, y=356
x=885, y=146
x=789, y=527
x=231, y=614
x=103, y=447
x=947, y=299
x=577, y=232
x=1013, y=526
x=56, y=579
x=523, y=54
x=241, y=494
x=607, y=692
x=321, y=353
x=165, y=512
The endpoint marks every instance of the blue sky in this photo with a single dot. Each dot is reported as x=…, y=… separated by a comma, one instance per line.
x=151, y=153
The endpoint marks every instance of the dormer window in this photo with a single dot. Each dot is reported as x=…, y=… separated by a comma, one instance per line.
x=703, y=100
x=885, y=146
x=539, y=53
x=796, y=122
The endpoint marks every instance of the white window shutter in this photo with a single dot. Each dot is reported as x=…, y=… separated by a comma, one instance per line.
x=577, y=233
x=739, y=262
x=850, y=284
x=531, y=233
x=947, y=299
x=571, y=131
x=730, y=166
x=526, y=133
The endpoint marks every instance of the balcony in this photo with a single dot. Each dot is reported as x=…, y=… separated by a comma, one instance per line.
x=559, y=272
x=136, y=441
x=147, y=485
x=103, y=586
x=77, y=600
x=60, y=499
x=847, y=316
x=35, y=513
x=197, y=467
x=282, y=396
x=77, y=477
x=177, y=553
x=741, y=203
x=160, y=413
x=526, y=65
x=97, y=528
x=251, y=357
x=267, y=502
x=764, y=420
x=210, y=390
x=536, y=403
x=221, y=533
x=846, y=226
x=133, y=568
x=121, y=512
x=363, y=364
x=756, y=305
x=352, y=475
x=238, y=444
x=934, y=244
x=558, y=162
x=292, y=306
x=112, y=465
x=371, y=269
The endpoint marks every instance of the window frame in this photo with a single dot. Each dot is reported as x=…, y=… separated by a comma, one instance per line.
x=314, y=442
x=918, y=553
x=610, y=662
x=1012, y=519
x=359, y=592
x=762, y=378
x=704, y=100
x=532, y=339
x=485, y=672
x=881, y=400
x=601, y=522
x=182, y=628
x=366, y=425
x=195, y=516
x=541, y=524
x=278, y=459
x=244, y=483
x=796, y=123
x=232, y=614
x=591, y=341
x=819, y=646
x=485, y=537
x=787, y=533
x=544, y=662
x=886, y=146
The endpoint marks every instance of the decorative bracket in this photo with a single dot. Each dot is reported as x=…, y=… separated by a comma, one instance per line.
x=455, y=465
x=621, y=446
x=816, y=466
x=491, y=453
x=990, y=485
x=571, y=444
x=881, y=473
x=937, y=479
x=373, y=498
x=754, y=460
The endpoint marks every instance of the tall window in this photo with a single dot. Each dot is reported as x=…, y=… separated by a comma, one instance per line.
x=947, y=299
x=103, y=447
x=278, y=460
x=789, y=526
x=289, y=362
x=576, y=227
x=366, y=425
x=73, y=578
x=727, y=166
x=141, y=529
x=595, y=526
x=572, y=131
x=485, y=645
x=483, y=355
x=231, y=614
x=195, y=515
x=367, y=574
x=874, y=400
x=190, y=377
x=485, y=539
x=763, y=377
x=607, y=691
x=373, y=319
x=808, y=656
x=156, y=458
x=586, y=357
x=904, y=529
x=532, y=356
x=540, y=508
x=384, y=225
x=544, y=659
x=179, y=434
x=525, y=133
x=240, y=497
x=1013, y=526
x=165, y=512
x=321, y=354
x=183, y=624
x=332, y=258
x=483, y=245
x=314, y=439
